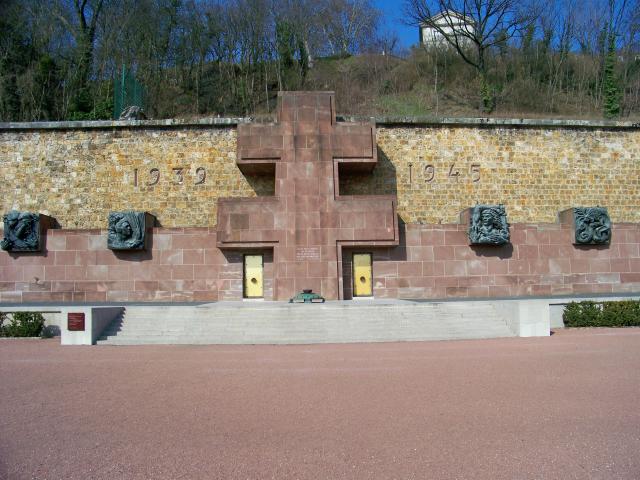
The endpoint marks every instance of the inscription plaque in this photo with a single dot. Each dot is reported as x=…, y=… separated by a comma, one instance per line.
x=307, y=253
x=75, y=321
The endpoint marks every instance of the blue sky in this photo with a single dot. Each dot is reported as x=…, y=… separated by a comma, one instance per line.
x=393, y=13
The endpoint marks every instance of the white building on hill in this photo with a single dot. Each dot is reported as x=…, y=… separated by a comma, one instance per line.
x=447, y=24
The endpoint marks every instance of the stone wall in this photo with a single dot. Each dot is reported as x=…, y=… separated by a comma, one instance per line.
x=181, y=265
x=77, y=173
x=78, y=176
x=437, y=262
x=432, y=262
x=535, y=172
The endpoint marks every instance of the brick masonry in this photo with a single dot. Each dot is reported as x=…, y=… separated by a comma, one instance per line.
x=534, y=172
x=432, y=261
x=206, y=184
x=78, y=174
x=437, y=262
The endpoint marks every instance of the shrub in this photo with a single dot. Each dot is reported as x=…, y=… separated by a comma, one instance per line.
x=621, y=314
x=24, y=324
x=602, y=314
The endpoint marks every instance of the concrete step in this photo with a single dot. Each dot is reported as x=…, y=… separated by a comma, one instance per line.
x=277, y=323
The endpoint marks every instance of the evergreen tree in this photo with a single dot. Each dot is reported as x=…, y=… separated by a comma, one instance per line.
x=285, y=45
x=292, y=55
x=610, y=86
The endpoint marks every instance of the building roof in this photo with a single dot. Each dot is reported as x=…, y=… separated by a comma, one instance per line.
x=450, y=13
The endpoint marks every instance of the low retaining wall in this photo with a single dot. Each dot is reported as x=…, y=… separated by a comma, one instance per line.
x=95, y=320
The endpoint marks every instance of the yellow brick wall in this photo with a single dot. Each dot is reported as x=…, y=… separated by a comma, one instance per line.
x=79, y=176
x=534, y=172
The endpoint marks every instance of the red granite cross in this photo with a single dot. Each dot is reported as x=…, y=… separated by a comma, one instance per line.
x=307, y=222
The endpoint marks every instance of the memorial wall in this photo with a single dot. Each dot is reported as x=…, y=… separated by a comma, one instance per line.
x=177, y=172
x=465, y=208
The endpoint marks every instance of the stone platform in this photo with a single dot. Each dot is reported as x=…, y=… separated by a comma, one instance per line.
x=283, y=323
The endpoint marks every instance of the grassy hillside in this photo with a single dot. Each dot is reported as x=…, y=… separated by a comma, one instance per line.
x=440, y=84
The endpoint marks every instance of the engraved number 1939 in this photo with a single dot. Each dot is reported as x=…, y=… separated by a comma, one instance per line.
x=153, y=175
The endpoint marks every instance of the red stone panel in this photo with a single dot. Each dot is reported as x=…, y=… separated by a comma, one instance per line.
x=308, y=149
x=55, y=242
x=454, y=270
x=57, y=272
x=77, y=242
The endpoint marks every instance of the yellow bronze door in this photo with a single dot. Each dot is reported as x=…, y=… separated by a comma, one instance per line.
x=362, y=275
x=253, y=276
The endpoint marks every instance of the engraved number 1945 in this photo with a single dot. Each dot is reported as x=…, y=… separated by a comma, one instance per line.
x=453, y=173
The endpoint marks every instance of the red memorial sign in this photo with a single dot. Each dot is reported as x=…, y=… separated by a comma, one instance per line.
x=307, y=222
x=75, y=321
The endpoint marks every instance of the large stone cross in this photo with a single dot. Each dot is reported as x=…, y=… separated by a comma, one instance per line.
x=307, y=222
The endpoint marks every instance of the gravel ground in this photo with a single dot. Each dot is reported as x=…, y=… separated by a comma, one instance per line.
x=564, y=407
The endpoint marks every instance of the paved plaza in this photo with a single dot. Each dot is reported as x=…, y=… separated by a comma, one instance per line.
x=564, y=407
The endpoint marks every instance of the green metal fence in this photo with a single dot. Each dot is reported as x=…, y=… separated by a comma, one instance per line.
x=127, y=91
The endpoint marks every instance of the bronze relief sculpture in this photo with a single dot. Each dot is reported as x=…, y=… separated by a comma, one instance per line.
x=592, y=226
x=21, y=232
x=488, y=225
x=127, y=230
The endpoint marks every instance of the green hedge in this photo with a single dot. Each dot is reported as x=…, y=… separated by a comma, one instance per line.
x=22, y=324
x=602, y=314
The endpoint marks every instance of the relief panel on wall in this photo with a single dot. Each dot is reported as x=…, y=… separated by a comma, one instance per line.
x=128, y=230
x=488, y=225
x=21, y=232
x=592, y=226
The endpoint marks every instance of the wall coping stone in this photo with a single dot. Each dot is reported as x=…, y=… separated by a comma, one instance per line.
x=106, y=124
x=492, y=122
x=222, y=122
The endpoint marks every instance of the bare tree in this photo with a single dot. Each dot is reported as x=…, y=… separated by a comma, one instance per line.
x=227, y=56
x=486, y=24
x=348, y=24
x=81, y=21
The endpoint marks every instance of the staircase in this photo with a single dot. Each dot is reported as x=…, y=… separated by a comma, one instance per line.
x=283, y=323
